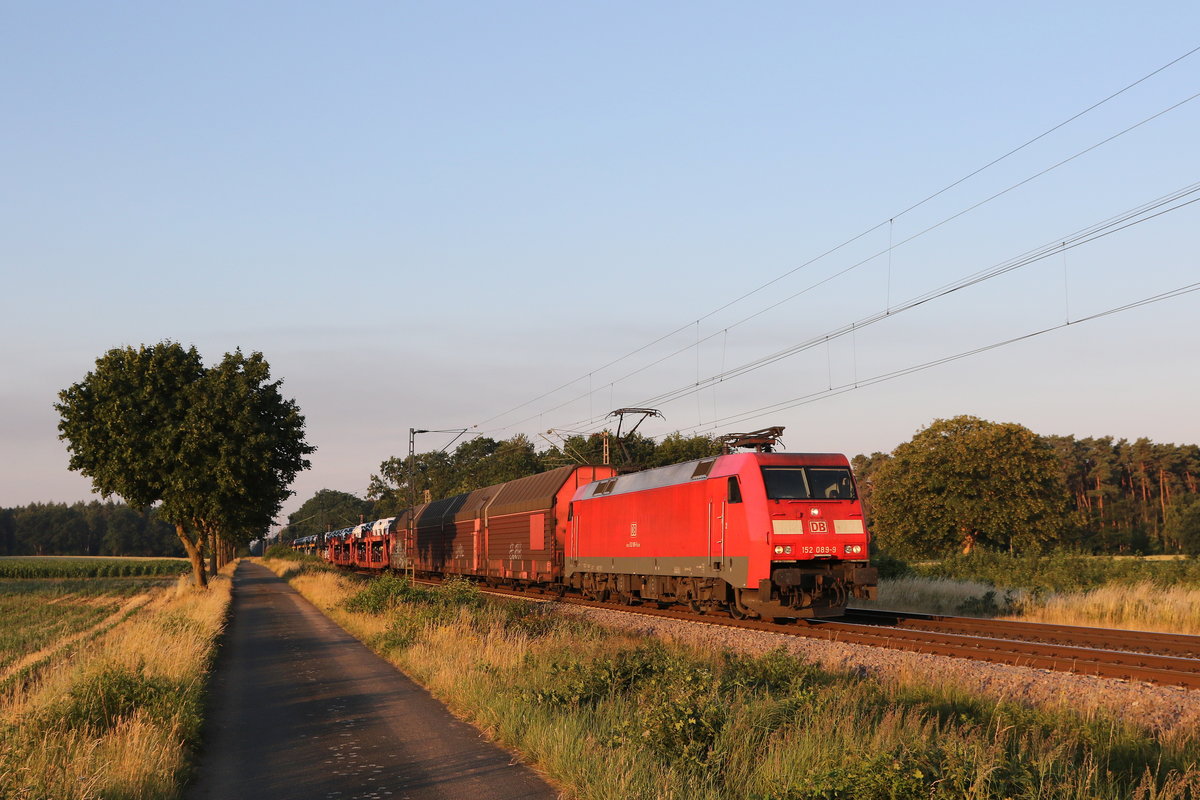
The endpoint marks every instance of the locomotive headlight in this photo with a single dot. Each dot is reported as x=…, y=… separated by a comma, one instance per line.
x=778, y=549
x=854, y=548
x=787, y=550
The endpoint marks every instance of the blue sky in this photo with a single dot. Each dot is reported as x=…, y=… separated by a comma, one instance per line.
x=426, y=214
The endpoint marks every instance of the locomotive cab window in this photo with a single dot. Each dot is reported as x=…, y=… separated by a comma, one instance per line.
x=733, y=491
x=785, y=483
x=830, y=483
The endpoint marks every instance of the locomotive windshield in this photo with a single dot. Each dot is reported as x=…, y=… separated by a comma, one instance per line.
x=808, y=483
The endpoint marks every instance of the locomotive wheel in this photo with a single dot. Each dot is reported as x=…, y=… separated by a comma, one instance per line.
x=626, y=599
x=739, y=611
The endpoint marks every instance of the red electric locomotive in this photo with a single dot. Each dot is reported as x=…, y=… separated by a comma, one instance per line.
x=762, y=534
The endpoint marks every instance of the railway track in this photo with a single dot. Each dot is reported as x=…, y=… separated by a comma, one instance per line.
x=1159, y=658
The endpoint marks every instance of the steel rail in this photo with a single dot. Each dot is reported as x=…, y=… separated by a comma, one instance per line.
x=1173, y=644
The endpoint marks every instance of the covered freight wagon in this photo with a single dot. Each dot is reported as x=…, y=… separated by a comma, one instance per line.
x=510, y=531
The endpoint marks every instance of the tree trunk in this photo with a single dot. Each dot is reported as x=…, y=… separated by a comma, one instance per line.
x=193, y=550
x=212, y=551
x=224, y=552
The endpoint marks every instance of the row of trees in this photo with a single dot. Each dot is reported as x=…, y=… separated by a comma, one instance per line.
x=965, y=481
x=85, y=529
x=213, y=449
x=476, y=463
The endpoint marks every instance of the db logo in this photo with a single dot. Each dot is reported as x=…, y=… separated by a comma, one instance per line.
x=818, y=526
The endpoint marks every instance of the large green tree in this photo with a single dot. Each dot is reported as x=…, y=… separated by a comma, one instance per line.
x=215, y=448
x=967, y=481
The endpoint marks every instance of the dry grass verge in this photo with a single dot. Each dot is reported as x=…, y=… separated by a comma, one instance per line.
x=1140, y=606
x=1146, y=606
x=114, y=715
x=615, y=714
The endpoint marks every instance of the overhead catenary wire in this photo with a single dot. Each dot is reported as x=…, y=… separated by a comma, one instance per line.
x=846, y=270
x=891, y=219
x=1137, y=215
x=887, y=376
x=1086, y=236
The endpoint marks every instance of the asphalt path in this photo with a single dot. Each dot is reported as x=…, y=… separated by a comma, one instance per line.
x=299, y=709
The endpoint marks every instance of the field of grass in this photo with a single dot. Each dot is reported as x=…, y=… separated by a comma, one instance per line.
x=1150, y=594
x=108, y=704
x=34, y=567
x=34, y=614
x=611, y=714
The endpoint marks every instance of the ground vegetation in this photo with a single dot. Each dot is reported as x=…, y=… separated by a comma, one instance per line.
x=102, y=698
x=616, y=714
x=35, y=567
x=1159, y=593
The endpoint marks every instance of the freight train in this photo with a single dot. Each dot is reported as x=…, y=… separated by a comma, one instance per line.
x=772, y=535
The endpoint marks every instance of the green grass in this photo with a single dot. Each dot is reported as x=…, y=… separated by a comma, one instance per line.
x=615, y=715
x=35, y=567
x=1056, y=572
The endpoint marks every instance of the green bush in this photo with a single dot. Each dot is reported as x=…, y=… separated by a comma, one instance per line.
x=678, y=713
x=778, y=672
x=889, y=566
x=534, y=620
x=383, y=593
x=284, y=552
x=116, y=692
x=1059, y=571
x=573, y=682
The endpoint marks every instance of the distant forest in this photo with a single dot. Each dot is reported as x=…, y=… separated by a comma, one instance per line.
x=85, y=529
